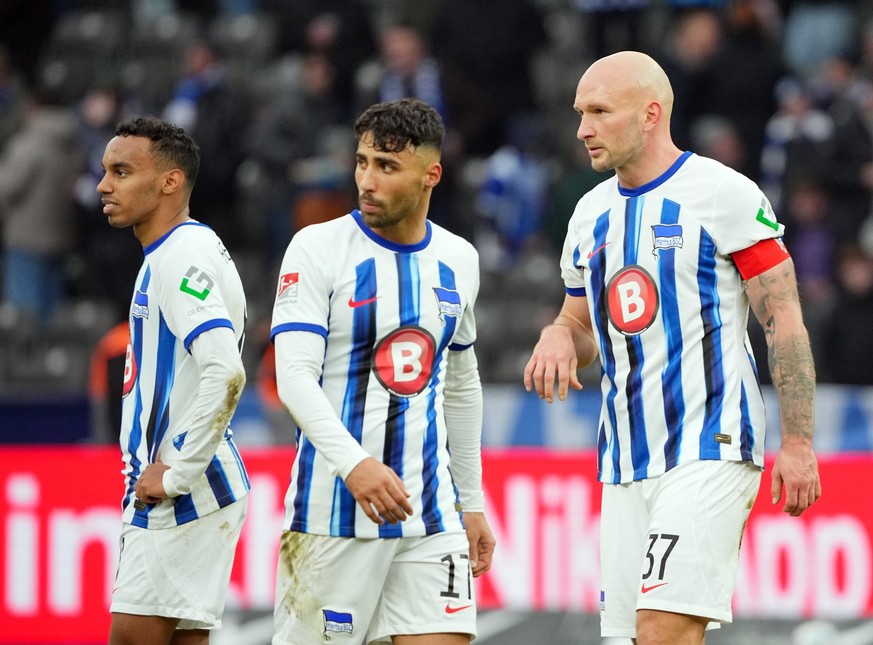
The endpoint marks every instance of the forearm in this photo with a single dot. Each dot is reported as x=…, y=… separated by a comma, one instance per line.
x=298, y=369
x=463, y=414
x=793, y=375
x=775, y=302
x=222, y=379
x=583, y=338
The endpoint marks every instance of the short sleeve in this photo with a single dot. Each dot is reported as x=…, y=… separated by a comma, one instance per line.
x=465, y=335
x=302, y=301
x=572, y=271
x=189, y=293
x=741, y=215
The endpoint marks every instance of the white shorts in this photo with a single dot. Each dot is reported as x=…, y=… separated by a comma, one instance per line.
x=672, y=543
x=179, y=572
x=354, y=591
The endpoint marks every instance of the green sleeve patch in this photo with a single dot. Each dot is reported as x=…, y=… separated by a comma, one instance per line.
x=203, y=280
x=766, y=221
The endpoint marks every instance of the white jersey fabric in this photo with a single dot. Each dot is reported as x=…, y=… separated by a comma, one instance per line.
x=187, y=285
x=679, y=381
x=390, y=314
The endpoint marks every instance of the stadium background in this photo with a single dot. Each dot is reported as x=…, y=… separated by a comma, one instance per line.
x=803, y=581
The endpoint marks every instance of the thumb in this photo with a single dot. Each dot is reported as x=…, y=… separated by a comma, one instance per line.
x=474, y=553
x=776, y=486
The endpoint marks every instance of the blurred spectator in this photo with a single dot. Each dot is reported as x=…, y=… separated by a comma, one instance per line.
x=745, y=71
x=341, y=30
x=404, y=68
x=810, y=239
x=214, y=115
x=575, y=178
x=99, y=111
x=489, y=45
x=816, y=30
x=292, y=130
x=109, y=260
x=691, y=44
x=847, y=344
x=793, y=141
x=846, y=164
x=38, y=170
x=718, y=138
x=613, y=25
x=14, y=98
x=512, y=200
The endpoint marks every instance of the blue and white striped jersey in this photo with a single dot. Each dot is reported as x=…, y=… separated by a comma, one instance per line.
x=187, y=285
x=679, y=381
x=389, y=314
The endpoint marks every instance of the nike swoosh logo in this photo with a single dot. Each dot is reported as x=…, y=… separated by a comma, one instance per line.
x=454, y=610
x=645, y=589
x=591, y=254
x=360, y=303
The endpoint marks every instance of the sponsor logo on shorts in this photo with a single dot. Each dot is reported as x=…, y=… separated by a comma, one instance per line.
x=455, y=610
x=337, y=621
x=645, y=589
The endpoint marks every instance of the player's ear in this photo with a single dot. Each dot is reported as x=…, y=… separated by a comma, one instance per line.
x=433, y=174
x=173, y=181
x=654, y=112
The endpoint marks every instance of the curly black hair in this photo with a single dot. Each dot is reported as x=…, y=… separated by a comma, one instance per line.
x=397, y=124
x=171, y=146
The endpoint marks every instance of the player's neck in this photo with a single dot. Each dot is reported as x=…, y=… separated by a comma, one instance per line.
x=650, y=165
x=155, y=228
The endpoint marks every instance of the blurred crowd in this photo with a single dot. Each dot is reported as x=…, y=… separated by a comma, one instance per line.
x=780, y=90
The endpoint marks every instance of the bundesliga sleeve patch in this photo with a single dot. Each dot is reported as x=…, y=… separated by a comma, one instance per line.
x=760, y=257
x=288, y=285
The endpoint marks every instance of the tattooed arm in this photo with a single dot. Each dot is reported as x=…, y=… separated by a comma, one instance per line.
x=775, y=302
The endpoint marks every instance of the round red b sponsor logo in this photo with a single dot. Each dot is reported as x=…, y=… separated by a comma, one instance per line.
x=632, y=300
x=130, y=370
x=403, y=361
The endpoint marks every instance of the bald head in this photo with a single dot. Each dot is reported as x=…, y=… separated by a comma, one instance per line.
x=624, y=102
x=632, y=76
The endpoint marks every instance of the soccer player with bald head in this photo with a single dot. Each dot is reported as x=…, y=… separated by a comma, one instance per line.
x=661, y=264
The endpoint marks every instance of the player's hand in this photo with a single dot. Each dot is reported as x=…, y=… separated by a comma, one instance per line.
x=796, y=473
x=481, y=541
x=149, y=486
x=379, y=491
x=554, y=355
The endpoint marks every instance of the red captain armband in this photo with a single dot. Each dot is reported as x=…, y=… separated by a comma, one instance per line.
x=759, y=257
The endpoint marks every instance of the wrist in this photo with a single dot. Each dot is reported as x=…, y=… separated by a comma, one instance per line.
x=556, y=324
x=170, y=489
